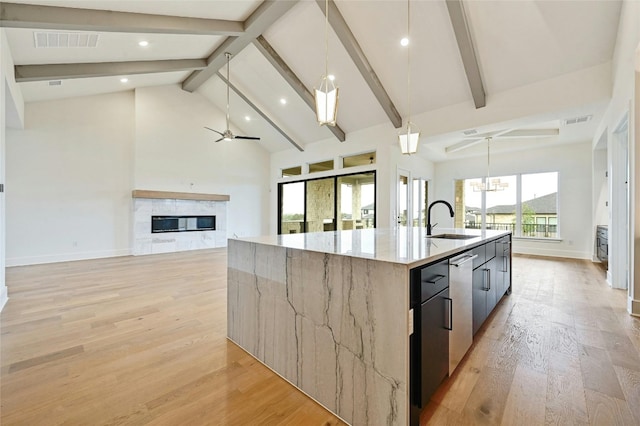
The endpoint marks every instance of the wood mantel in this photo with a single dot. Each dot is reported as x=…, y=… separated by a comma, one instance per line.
x=143, y=193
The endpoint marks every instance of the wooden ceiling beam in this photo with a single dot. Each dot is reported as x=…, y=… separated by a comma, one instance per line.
x=467, y=52
x=25, y=73
x=13, y=15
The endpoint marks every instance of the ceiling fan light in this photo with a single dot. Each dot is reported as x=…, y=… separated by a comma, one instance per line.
x=326, y=103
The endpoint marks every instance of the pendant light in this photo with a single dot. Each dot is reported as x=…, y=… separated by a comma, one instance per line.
x=489, y=184
x=326, y=95
x=408, y=138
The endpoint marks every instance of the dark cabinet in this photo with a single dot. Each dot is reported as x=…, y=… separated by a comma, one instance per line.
x=433, y=315
x=434, y=347
x=429, y=343
x=491, y=279
x=602, y=243
x=479, y=297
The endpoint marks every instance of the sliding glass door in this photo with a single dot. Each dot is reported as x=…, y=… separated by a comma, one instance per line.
x=334, y=203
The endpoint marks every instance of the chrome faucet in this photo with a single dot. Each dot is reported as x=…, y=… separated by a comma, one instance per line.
x=429, y=226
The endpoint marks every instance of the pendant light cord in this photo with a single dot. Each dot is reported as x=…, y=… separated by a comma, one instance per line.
x=409, y=70
x=326, y=54
x=228, y=55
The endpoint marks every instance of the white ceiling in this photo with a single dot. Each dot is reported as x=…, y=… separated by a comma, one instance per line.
x=517, y=43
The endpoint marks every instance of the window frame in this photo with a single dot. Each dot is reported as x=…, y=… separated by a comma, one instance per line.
x=518, y=226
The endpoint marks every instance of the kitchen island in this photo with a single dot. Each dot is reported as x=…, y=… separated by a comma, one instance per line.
x=331, y=312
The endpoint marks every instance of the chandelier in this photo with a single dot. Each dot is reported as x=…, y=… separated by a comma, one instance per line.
x=490, y=184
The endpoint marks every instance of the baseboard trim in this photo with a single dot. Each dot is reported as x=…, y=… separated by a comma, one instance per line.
x=65, y=257
x=552, y=253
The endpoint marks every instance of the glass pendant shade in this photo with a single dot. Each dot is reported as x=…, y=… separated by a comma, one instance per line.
x=326, y=102
x=408, y=140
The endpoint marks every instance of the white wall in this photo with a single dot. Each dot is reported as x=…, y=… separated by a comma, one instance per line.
x=174, y=152
x=573, y=164
x=69, y=180
x=70, y=172
x=625, y=70
x=382, y=139
x=11, y=114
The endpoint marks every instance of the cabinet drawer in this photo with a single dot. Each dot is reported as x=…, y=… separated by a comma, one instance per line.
x=490, y=250
x=428, y=281
x=481, y=252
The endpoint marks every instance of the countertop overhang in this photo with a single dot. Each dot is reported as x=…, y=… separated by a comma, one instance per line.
x=407, y=246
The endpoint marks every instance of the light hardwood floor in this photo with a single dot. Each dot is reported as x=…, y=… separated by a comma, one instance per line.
x=141, y=340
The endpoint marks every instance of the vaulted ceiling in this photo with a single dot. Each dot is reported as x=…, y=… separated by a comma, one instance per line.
x=463, y=53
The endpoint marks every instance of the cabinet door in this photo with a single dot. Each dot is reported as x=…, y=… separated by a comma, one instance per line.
x=434, y=362
x=479, y=296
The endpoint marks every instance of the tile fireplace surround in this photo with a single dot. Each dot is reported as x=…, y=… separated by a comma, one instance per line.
x=161, y=203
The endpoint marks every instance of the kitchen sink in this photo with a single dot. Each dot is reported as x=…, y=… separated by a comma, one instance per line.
x=453, y=236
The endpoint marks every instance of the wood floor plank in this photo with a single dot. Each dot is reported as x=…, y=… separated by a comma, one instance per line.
x=607, y=411
x=526, y=401
x=630, y=382
x=598, y=373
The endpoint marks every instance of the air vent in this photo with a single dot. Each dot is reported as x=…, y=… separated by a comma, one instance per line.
x=55, y=83
x=46, y=39
x=470, y=132
x=577, y=120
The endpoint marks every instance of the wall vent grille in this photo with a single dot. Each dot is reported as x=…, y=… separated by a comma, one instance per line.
x=577, y=120
x=55, y=83
x=470, y=132
x=52, y=39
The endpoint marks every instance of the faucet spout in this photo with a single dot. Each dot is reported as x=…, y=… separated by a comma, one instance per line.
x=429, y=227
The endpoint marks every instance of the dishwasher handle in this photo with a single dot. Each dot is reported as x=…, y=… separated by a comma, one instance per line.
x=461, y=261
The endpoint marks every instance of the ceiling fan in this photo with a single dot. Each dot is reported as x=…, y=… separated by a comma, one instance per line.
x=227, y=135
x=476, y=138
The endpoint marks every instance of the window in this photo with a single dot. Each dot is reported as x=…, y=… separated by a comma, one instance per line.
x=322, y=166
x=359, y=160
x=292, y=171
x=539, y=203
x=527, y=206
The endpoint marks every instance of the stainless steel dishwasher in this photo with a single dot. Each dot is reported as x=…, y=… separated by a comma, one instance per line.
x=461, y=309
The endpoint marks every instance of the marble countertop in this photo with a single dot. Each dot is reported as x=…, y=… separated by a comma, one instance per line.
x=407, y=246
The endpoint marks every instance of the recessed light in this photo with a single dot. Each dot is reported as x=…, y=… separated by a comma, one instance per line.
x=283, y=101
x=143, y=43
x=331, y=77
x=124, y=80
x=247, y=118
x=404, y=41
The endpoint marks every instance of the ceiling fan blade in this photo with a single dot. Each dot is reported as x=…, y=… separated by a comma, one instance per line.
x=208, y=128
x=219, y=140
x=253, y=138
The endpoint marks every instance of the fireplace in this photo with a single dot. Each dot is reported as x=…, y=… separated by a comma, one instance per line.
x=165, y=222
x=182, y=223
